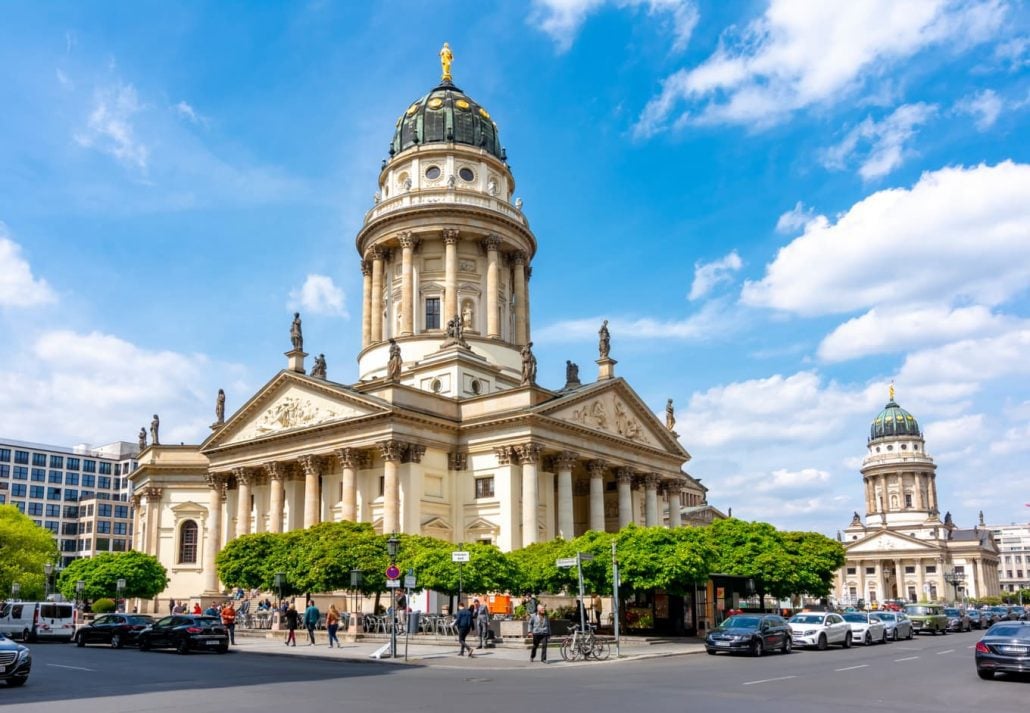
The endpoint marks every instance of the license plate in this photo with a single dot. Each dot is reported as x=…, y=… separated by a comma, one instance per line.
x=213, y=643
x=1014, y=649
x=722, y=643
x=3, y=669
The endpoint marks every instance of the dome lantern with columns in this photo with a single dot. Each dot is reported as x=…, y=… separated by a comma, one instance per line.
x=445, y=242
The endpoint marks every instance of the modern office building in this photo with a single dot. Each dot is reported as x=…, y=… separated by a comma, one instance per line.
x=1014, y=562
x=69, y=491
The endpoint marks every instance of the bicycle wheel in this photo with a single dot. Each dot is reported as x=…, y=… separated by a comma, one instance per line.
x=564, y=649
x=602, y=649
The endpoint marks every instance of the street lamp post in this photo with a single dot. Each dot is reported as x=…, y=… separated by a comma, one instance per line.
x=120, y=584
x=79, y=586
x=392, y=545
x=955, y=579
x=356, y=578
x=279, y=579
x=15, y=590
x=48, y=569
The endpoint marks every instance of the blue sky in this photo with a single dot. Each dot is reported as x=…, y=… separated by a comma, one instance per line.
x=779, y=206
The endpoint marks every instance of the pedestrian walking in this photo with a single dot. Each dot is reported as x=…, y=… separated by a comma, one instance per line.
x=463, y=623
x=332, y=623
x=540, y=628
x=229, y=621
x=292, y=619
x=482, y=622
x=597, y=605
x=311, y=617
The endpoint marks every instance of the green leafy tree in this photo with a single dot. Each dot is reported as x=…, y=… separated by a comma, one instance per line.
x=25, y=548
x=251, y=560
x=816, y=558
x=597, y=573
x=536, y=571
x=488, y=569
x=661, y=558
x=145, y=577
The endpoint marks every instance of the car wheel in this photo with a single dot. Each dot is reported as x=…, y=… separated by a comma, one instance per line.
x=710, y=652
x=183, y=647
x=116, y=641
x=223, y=649
x=821, y=644
x=26, y=635
x=19, y=681
x=894, y=635
x=788, y=646
x=80, y=640
x=985, y=674
x=847, y=640
x=883, y=640
x=868, y=639
x=144, y=644
x=757, y=648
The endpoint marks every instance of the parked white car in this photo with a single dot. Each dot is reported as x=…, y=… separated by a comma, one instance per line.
x=866, y=628
x=820, y=629
x=897, y=624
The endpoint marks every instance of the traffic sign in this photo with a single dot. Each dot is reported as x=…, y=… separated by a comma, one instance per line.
x=409, y=581
x=460, y=556
x=393, y=572
x=585, y=556
x=393, y=584
x=565, y=562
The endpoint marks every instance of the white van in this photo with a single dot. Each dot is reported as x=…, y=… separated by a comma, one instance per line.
x=32, y=621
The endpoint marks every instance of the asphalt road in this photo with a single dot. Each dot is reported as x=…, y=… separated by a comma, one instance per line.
x=926, y=674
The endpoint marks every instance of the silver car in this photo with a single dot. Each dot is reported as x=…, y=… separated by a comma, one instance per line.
x=897, y=624
x=866, y=628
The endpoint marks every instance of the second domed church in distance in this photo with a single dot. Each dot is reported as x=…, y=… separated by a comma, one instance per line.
x=447, y=431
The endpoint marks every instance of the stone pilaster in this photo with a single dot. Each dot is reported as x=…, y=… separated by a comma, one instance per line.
x=242, y=501
x=349, y=459
x=651, y=481
x=407, y=282
x=276, y=494
x=564, y=463
x=392, y=452
x=493, y=322
x=519, y=263
x=624, y=477
x=597, y=470
x=212, y=532
x=529, y=455
x=450, y=242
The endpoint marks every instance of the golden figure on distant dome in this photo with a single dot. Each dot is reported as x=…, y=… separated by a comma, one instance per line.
x=446, y=57
x=892, y=391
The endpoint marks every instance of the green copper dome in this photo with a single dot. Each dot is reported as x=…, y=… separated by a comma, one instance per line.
x=893, y=421
x=446, y=115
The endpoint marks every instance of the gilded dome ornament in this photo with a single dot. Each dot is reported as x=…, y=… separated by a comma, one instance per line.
x=446, y=57
x=435, y=103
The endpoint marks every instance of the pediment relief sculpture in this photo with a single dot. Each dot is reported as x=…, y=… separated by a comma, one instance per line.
x=293, y=411
x=614, y=416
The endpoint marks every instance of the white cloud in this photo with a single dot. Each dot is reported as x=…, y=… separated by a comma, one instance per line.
x=711, y=274
x=956, y=433
x=18, y=287
x=318, y=295
x=970, y=361
x=562, y=19
x=886, y=140
x=1015, y=440
x=894, y=330
x=187, y=112
x=959, y=234
x=100, y=388
x=802, y=54
x=110, y=129
x=798, y=217
x=713, y=319
x=986, y=107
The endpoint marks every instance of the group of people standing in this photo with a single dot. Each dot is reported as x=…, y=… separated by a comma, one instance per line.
x=476, y=615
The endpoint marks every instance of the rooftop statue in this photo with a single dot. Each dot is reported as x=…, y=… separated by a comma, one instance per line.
x=446, y=58
x=604, y=341
x=220, y=407
x=670, y=415
x=528, y=365
x=155, y=424
x=142, y=438
x=393, y=366
x=296, y=334
x=318, y=370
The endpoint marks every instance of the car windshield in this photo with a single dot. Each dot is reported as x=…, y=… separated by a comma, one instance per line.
x=886, y=616
x=857, y=618
x=806, y=619
x=140, y=620
x=916, y=609
x=1009, y=631
x=952, y=612
x=742, y=622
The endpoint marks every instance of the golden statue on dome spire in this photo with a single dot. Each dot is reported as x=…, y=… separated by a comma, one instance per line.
x=891, y=391
x=446, y=57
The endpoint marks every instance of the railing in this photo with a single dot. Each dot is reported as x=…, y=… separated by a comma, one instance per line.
x=431, y=196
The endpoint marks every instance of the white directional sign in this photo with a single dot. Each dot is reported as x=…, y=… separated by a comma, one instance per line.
x=565, y=562
x=585, y=556
x=393, y=584
x=460, y=556
x=409, y=581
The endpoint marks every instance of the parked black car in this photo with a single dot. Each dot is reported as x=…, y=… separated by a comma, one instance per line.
x=114, y=629
x=1004, y=647
x=185, y=633
x=753, y=633
x=15, y=662
x=975, y=619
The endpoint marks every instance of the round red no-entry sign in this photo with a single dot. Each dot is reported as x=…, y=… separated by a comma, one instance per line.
x=392, y=572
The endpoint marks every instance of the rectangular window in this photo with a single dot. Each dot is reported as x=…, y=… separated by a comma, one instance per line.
x=931, y=569
x=36, y=509
x=117, y=545
x=56, y=461
x=5, y=471
x=39, y=475
x=21, y=457
x=432, y=313
x=103, y=510
x=960, y=569
x=5, y=455
x=121, y=511
x=73, y=464
x=912, y=594
x=21, y=506
x=104, y=482
x=53, y=493
x=910, y=569
x=39, y=459
x=71, y=494
x=52, y=525
x=104, y=527
x=89, y=481
x=71, y=478
x=68, y=545
x=53, y=511
x=382, y=485
x=70, y=528
x=36, y=491
x=117, y=468
x=103, y=544
x=121, y=528
x=21, y=472
x=1008, y=573
x=851, y=570
x=18, y=490
x=870, y=570
x=908, y=500
x=105, y=468
x=872, y=595
x=89, y=466
x=56, y=477
x=485, y=487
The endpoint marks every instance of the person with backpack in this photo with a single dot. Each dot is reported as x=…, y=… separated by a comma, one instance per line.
x=463, y=623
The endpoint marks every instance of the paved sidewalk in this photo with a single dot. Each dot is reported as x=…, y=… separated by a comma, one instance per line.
x=511, y=656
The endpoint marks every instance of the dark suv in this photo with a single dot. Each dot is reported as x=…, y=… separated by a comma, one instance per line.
x=114, y=629
x=753, y=633
x=185, y=633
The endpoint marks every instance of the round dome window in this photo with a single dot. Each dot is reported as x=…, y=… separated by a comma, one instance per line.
x=436, y=386
x=477, y=386
x=467, y=174
x=433, y=172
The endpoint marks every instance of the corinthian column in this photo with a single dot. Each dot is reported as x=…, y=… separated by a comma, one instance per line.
x=391, y=452
x=651, y=499
x=377, y=295
x=519, y=260
x=624, y=476
x=311, y=494
x=407, y=280
x=675, y=509
x=566, y=522
x=366, y=303
x=450, y=297
x=529, y=454
x=212, y=532
x=242, y=501
x=275, y=488
x=493, y=322
x=349, y=500
x=597, y=469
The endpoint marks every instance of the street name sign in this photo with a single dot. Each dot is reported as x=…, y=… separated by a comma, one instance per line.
x=460, y=556
x=409, y=581
x=393, y=584
x=565, y=562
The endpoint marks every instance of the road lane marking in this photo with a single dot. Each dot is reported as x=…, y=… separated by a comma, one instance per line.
x=769, y=680
x=852, y=668
x=907, y=658
x=946, y=651
x=74, y=668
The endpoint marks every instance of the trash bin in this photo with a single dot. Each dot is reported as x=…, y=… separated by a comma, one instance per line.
x=414, y=619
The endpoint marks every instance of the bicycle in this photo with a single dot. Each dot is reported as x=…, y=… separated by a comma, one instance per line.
x=584, y=645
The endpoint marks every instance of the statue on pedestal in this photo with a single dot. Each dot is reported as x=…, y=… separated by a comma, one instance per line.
x=155, y=424
x=670, y=415
x=220, y=407
x=142, y=438
x=393, y=366
x=318, y=369
x=571, y=373
x=604, y=340
x=296, y=334
x=528, y=365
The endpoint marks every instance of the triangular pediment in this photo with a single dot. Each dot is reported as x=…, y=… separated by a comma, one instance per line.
x=613, y=408
x=888, y=541
x=189, y=508
x=436, y=524
x=478, y=524
x=292, y=402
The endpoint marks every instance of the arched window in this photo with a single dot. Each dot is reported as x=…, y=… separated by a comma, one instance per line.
x=188, y=543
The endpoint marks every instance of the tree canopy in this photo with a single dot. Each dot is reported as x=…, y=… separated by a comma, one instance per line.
x=25, y=548
x=145, y=577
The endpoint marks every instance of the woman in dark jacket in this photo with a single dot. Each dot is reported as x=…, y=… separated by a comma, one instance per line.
x=292, y=619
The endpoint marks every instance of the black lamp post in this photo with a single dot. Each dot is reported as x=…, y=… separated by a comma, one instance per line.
x=48, y=569
x=79, y=586
x=356, y=578
x=15, y=590
x=392, y=546
x=955, y=579
x=279, y=579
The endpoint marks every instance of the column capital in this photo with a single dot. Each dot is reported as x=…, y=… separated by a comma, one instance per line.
x=597, y=468
x=450, y=236
x=519, y=257
x=152, y=493
x=492, y=242
x=366, y=268
x=673, y=486
x=241, y=475
x=312, y=465
x=529, y=453
x=214, y=480
x=136, y=501
x=274, y=471
x=565, y=460
x=651, y=481
x=392, y=450
x=505, y=454
x=413, y=453
x=407, y=239
x=376, y=252
x=349, y=457
x=457, y=460
x=624, y=475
